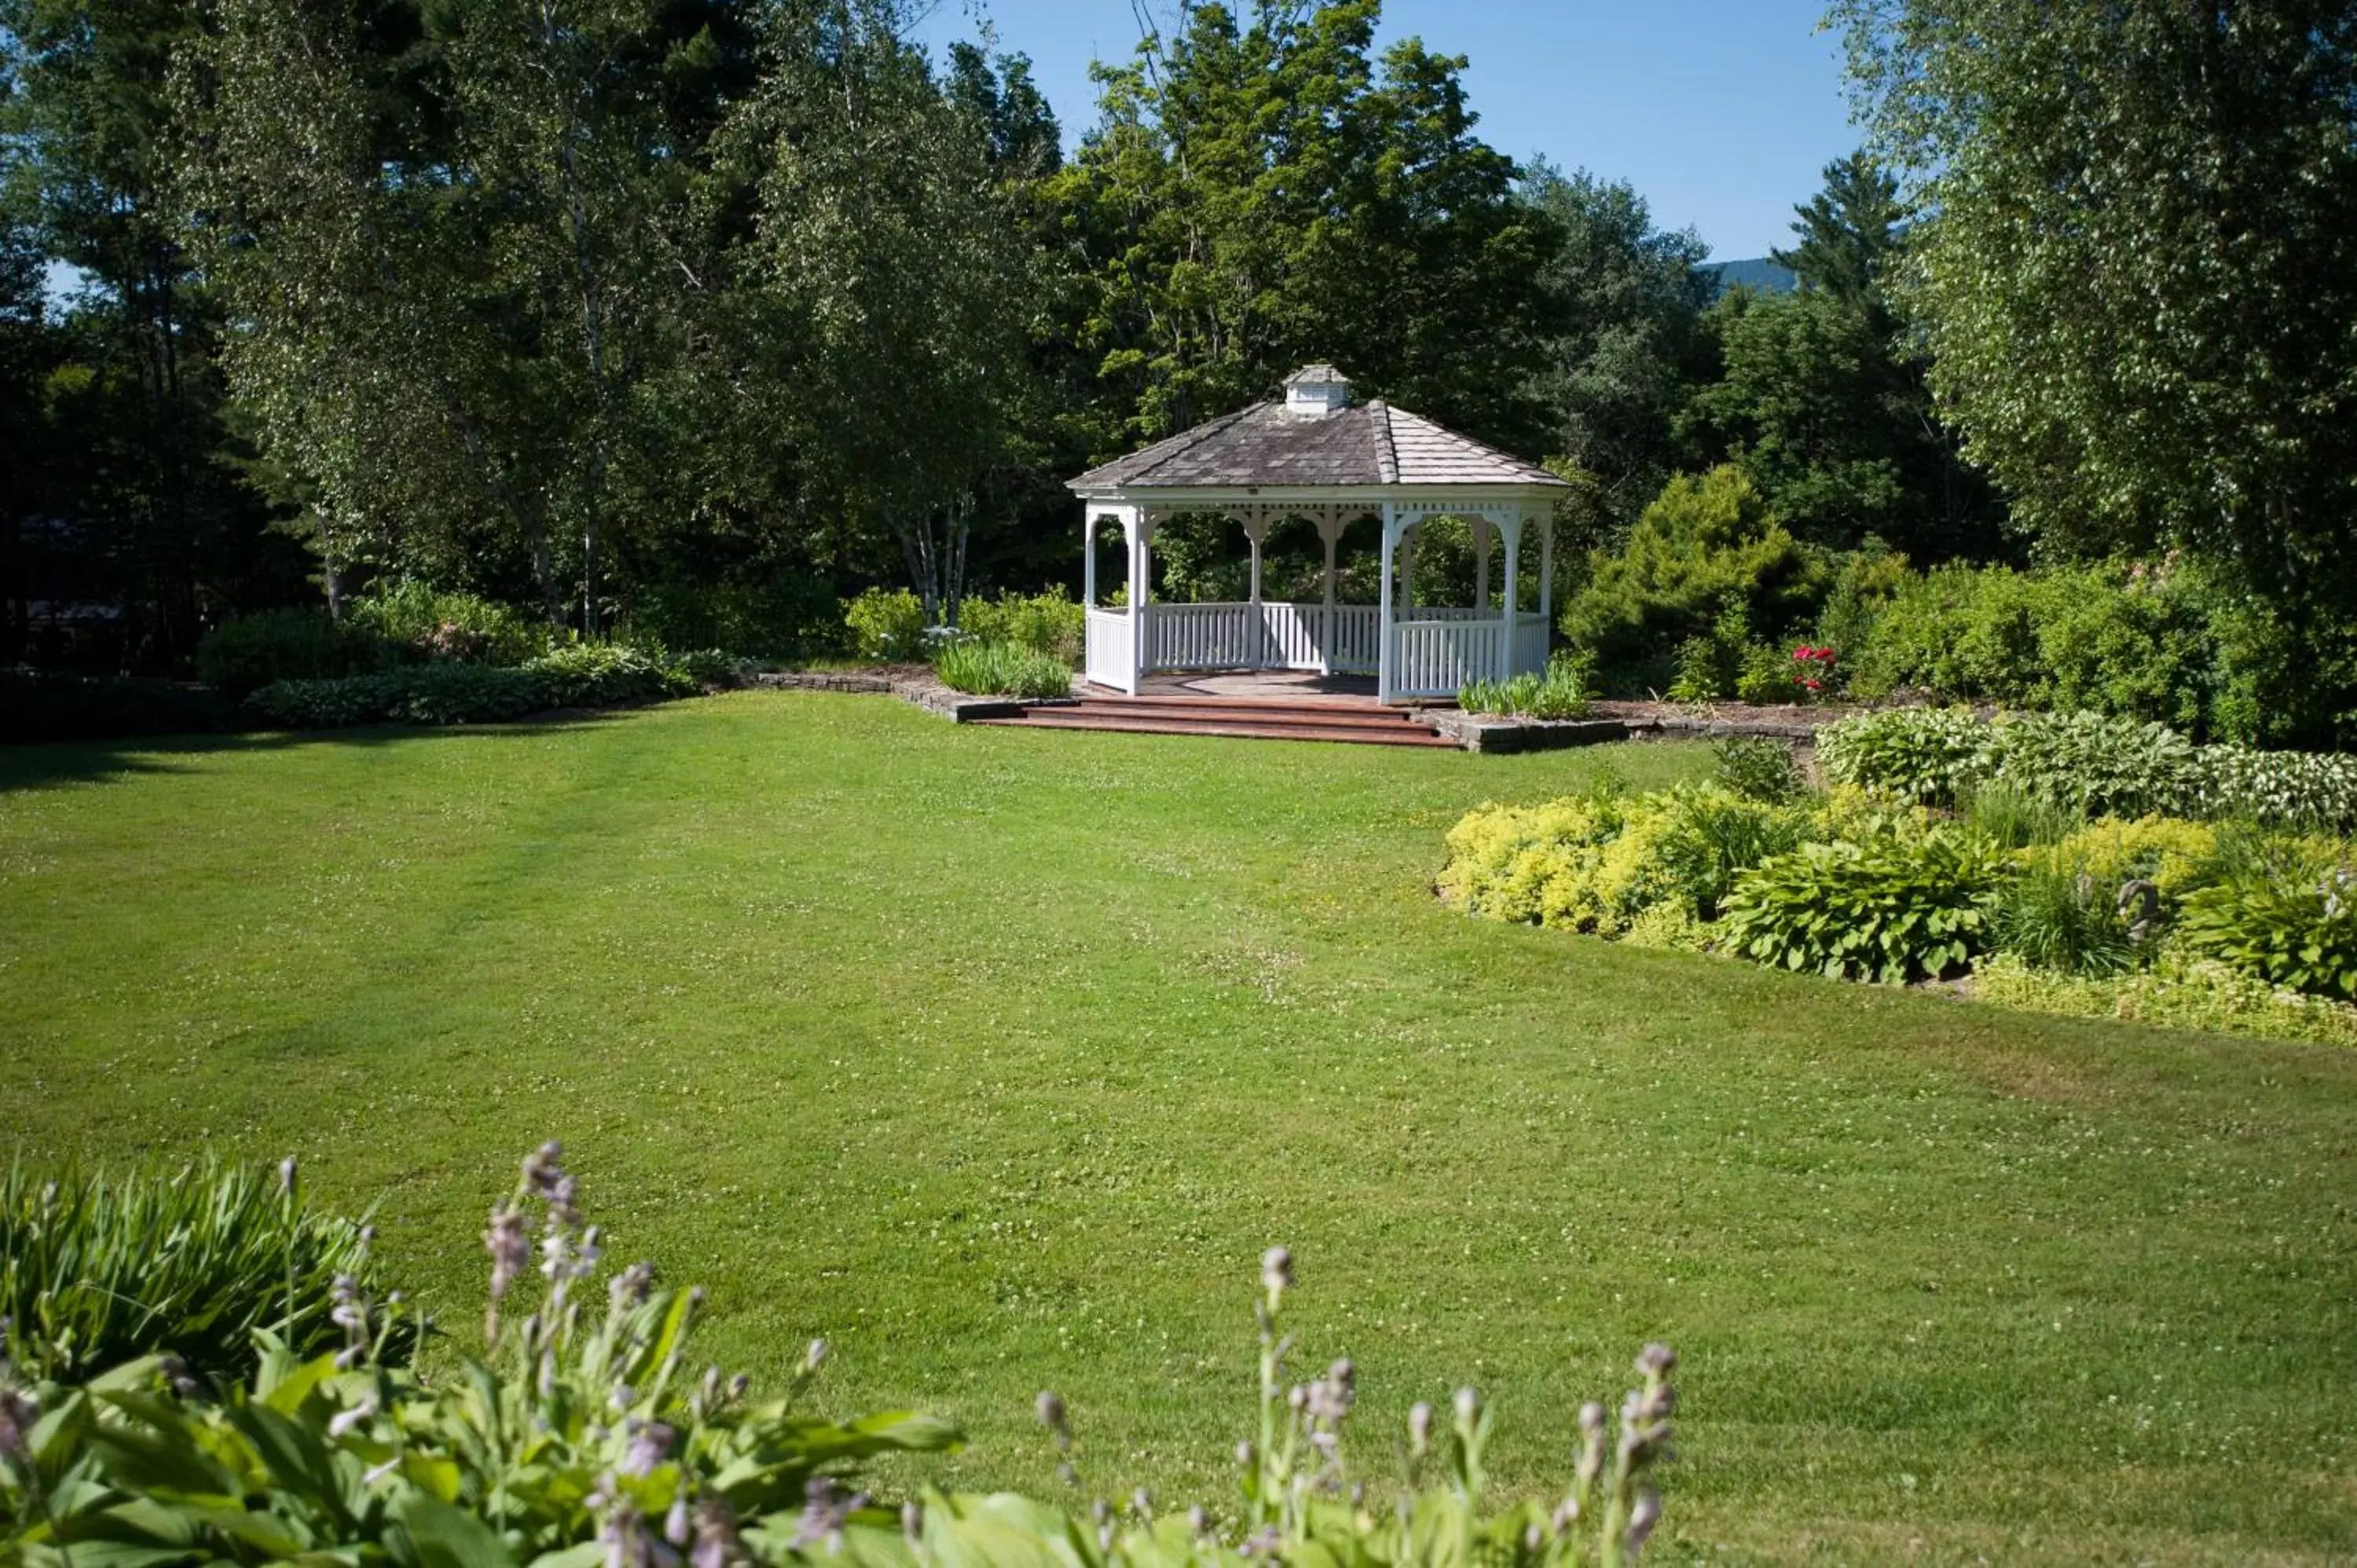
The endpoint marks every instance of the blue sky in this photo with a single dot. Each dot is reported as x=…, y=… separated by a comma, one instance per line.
x=1721, y=112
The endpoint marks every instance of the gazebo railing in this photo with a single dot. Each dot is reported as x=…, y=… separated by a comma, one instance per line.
x=1437, y=650
x=1109, y=657
x=1433, y=658
x=1530, y=644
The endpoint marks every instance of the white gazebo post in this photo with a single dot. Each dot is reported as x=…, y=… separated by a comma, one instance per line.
x=1383, y=637
x=1408, y=532
x=1546, y=565
x=1510, y=525
x=1136, y=529
x=1089, y=520
x=1255, y=530
x=1480, y=526
x=1330, y=532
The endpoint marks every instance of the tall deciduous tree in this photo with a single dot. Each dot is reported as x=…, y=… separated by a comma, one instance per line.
x=2136, y=267
x=150, y=515
x=890, y=237
x=1260, y=193
x=1625, y=338
x=1821, y=395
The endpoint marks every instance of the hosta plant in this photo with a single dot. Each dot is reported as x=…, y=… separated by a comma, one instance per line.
x=2278, y=788
x=2283, y=911
x=1925, y=755
x=2094, y=764
x=1890, y=909
x=583, y=1431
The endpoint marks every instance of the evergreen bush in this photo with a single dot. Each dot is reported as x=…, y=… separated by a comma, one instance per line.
x=1708, y=544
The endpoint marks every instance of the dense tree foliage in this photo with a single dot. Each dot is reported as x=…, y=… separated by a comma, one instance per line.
x=1821, y=395
x=127, y=514
x=1261, y=193
x=1625, y=342
x=2137, y=268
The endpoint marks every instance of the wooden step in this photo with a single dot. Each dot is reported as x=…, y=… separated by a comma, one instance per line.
x=1192, y=702
x=1083, y=716
x=1252, y=712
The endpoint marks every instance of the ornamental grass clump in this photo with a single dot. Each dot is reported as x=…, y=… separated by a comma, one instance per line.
x=582, y=1437
x=1566, y=692
x=100, y=1267
x=1001, y=669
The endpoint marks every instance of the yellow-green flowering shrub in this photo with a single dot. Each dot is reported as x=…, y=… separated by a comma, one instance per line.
x=1595, y=864
x=2179, y=992
x=2169, y=853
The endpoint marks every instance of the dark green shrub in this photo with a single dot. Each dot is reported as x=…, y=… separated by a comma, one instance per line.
x=1956, y=632
x=39, y=707
x=461, y=694
x=1864, y=581
x=710, y=667
x=323, y=704
x=887, y=623
x=247, y=652
x=97, y=1268
x=595, y=674
x=1049, y=623
x=1757, y=769
x=1892, y=908
x=585, y=675
x=1706, y=543
x=426, y=622
x=1002, y=669
x=1927, y=755
x=2279, y=910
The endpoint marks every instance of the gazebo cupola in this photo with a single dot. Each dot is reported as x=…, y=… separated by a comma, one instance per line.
x=1317, y=391
x=1317, y=455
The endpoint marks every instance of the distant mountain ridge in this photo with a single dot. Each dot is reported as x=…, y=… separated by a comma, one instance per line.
x=1761, y=274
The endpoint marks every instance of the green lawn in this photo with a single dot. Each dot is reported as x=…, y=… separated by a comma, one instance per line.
x=998, y=1056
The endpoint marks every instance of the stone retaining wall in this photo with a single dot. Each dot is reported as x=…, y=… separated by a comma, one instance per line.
x=958, y=707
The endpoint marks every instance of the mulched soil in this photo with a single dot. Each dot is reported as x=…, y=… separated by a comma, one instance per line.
x=1730, y=713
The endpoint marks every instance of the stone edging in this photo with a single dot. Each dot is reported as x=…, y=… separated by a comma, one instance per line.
x=958, y=707
x=1488, y=732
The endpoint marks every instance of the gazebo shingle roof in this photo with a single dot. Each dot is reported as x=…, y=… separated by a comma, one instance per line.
x=1267, y=444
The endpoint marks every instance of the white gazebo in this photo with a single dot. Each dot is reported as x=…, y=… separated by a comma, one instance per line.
x=1317, y=456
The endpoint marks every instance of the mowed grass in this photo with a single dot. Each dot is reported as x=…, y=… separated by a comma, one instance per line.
x=998, y=1056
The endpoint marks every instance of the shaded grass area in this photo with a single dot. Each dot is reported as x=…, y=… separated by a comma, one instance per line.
x=998, y=1056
